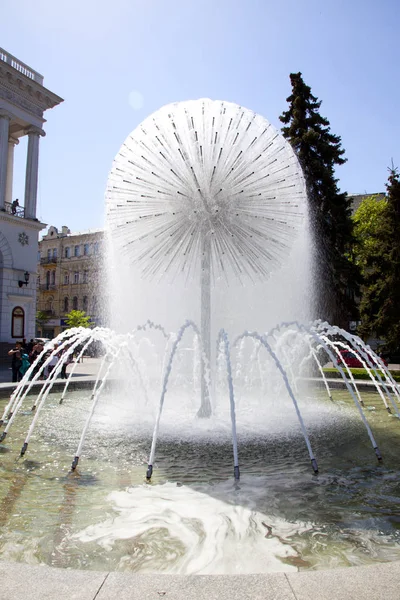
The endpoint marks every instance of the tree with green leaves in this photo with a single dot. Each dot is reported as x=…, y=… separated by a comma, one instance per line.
x=380, y=301
x=368, y=220
x=41, y=319
x=319, y=151
x=77, y=318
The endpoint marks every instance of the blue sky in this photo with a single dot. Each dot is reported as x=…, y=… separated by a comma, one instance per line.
x=116, y=62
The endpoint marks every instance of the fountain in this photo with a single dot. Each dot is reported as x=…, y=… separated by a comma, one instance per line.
x=202, y=196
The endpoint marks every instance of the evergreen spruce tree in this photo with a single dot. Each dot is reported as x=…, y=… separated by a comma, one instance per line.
x=318, y=151
x=380, y=301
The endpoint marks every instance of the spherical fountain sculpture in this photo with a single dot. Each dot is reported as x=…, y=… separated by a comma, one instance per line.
x=207, y=190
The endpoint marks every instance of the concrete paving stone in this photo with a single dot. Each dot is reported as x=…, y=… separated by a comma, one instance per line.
x=374, y=582
x=20, y=582
x=123, y=586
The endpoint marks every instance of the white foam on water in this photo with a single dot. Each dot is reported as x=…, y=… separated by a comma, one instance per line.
x=199, y=533
x=257, y=414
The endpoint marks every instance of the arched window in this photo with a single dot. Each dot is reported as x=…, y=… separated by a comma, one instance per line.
x=85, y=303
x=48, y=280
x=53, y=278
x=49, y=304
x=66, y=304
x=18, y=322
x=75, y=303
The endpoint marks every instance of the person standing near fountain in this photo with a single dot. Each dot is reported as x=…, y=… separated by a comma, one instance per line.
x=16, y=361
x=37, y=349
x=66, y=362
x=52, y=364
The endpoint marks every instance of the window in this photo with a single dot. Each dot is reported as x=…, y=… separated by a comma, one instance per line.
x=76, y=250
x=38, y=256
x=66, y=279
x=96, y=248
x=85, y=303
x=85, y=276
x=53, y=278
x=48, y=280
x=18, y=322
x=49, y=304
x=66, y=304
x=76, y=276
x=75, y=303
x=67, y=252
x=86, y=249
x=49, y=253
x=54, y=252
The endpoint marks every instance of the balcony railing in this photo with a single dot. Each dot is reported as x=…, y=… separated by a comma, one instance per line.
x=48, y=260
x=46, y=287
x=16, y=211
x=20, y=66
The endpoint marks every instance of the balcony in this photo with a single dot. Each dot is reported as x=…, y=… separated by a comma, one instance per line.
x=47, y=287
x=48, y=260
x=15, y=211
x=20, y=66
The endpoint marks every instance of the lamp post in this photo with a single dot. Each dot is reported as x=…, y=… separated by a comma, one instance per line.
x=26, y=280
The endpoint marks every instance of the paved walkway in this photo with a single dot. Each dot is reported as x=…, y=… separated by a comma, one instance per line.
x=377, y=582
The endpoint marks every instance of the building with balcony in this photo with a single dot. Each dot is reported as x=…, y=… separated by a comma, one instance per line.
x=23, y=101
x=69, y=278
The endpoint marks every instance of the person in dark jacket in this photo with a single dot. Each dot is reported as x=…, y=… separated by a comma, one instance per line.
x=16, y=361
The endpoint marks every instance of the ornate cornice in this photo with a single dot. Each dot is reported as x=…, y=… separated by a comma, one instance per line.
x=24, y=92
x=24, y=223
x=16, y=99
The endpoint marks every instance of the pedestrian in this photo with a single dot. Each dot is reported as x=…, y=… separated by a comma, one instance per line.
x=65, y=362
x=25, y=362
x=14, y=206
x=52, y=364
x=16, y=361
x=33, y=357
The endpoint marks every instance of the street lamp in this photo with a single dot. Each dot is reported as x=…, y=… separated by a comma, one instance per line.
x=26, y=278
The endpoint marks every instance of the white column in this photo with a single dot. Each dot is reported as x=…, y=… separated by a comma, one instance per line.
x=32, y=166
x=10, y=168
x=4, y=134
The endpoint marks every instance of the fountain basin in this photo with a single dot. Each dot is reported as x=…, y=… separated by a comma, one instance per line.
x=194, y=518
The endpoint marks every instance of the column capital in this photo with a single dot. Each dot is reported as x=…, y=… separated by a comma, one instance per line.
x=5, y=114
x=13, y=140
x=34, y=131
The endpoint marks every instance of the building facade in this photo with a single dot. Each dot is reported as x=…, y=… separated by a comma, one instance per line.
x=23, y=101
x=70, y=277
